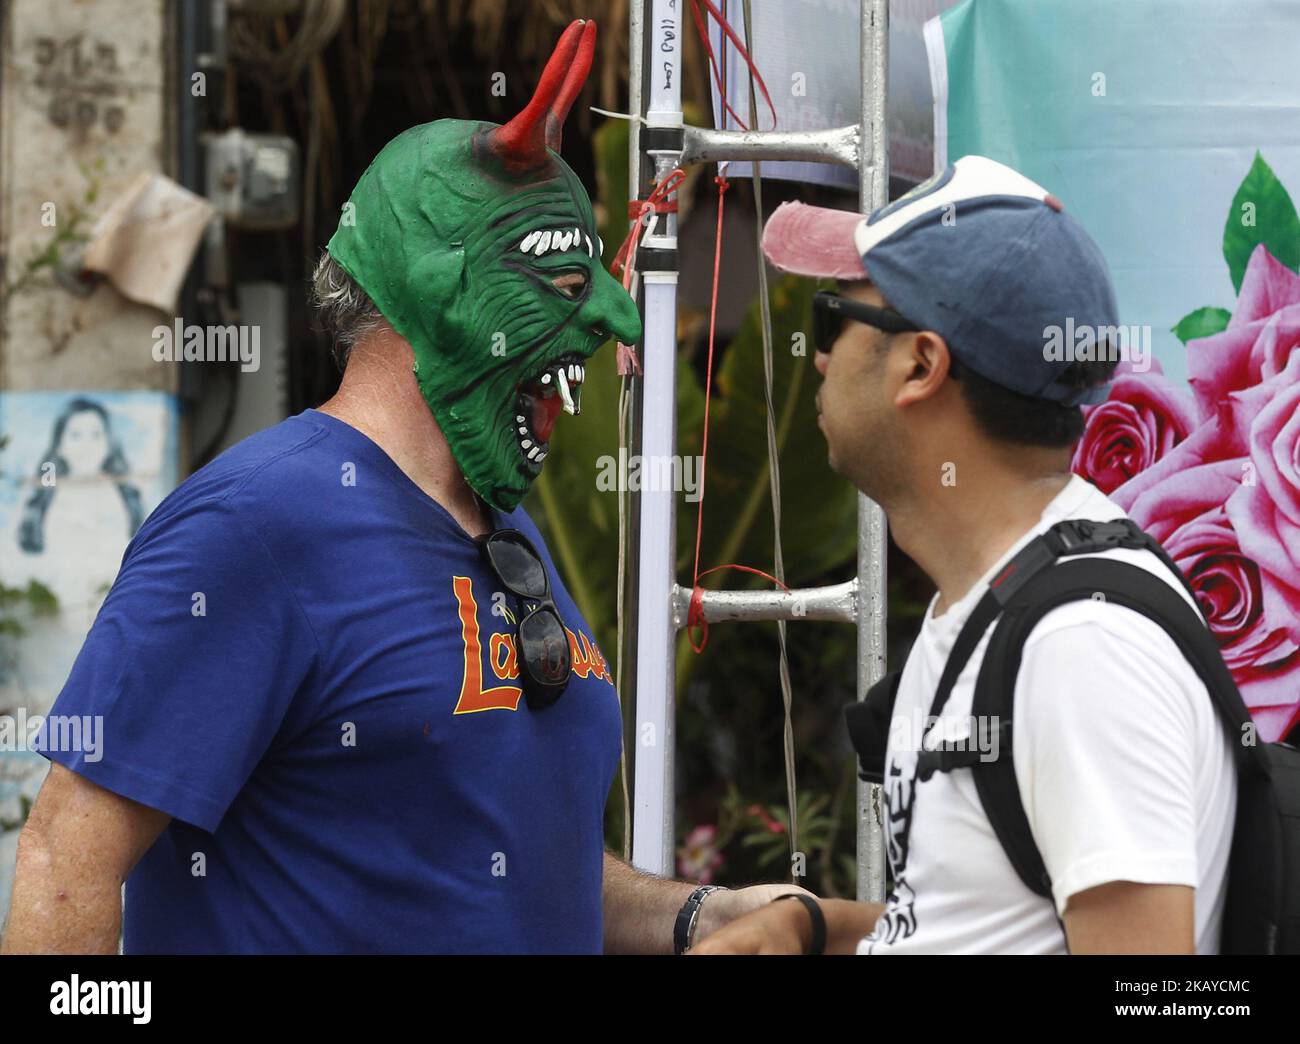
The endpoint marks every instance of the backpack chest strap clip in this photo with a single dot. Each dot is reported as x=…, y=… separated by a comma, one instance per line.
x=982, y=747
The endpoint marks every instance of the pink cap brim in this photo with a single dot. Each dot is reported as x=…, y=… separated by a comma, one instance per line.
x=814, y=241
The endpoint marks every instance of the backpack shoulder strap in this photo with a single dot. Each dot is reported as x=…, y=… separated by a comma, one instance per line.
x=1121, y=583
x=1070, y=537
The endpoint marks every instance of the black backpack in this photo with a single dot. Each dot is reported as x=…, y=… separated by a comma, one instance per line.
x=1262, y=908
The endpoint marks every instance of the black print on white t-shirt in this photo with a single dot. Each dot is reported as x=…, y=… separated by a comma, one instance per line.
x=899, y=919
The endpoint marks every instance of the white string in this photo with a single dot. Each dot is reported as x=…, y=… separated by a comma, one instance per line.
x=635, y=118
x=623, y=414
x=774, y=466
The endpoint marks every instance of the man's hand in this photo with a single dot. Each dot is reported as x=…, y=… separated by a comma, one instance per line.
x=786, y=927
x=640, y=909
x=767, y=927
x=724, y=907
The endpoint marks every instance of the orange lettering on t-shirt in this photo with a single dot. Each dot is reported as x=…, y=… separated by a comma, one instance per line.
x=599, y=669
x=581, y=661
x=505, y=667
x=473, y=697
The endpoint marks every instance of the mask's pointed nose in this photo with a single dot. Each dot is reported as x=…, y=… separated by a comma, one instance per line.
x=612, y=308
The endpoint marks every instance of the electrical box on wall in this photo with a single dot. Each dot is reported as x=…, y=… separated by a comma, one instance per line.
x=253, y=179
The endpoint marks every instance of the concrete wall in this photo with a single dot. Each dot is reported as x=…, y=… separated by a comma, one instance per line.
x=83, y=111
x=84, y=104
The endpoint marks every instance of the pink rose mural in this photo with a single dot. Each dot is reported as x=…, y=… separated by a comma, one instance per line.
x=1145, y=416
x=1214, y=473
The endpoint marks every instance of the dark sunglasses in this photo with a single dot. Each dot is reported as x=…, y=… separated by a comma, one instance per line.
x=830, y=310
x=540, y=637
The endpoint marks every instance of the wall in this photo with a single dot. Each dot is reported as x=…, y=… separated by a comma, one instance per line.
x=83, y=109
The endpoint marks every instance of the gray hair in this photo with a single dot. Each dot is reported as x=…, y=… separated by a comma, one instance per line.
x=343, y=309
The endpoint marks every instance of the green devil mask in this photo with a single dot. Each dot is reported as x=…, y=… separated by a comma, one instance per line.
x=478, y=244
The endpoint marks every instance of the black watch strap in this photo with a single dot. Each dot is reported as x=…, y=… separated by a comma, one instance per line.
x=687, y=916
x=818, y=946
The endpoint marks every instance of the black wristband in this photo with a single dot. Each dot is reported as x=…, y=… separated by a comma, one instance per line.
x=684, y=926
x=818, y=947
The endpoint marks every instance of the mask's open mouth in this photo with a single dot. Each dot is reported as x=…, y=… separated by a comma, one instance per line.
x=539, y=402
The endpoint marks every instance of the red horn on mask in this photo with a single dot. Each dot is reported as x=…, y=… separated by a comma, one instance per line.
x=522, y=143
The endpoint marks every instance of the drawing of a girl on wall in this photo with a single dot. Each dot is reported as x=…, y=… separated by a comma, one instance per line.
x=88, y=465
x=83, y=511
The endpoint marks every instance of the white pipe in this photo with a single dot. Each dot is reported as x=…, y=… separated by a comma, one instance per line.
x=665, y=61
x=653, y=820
x=653, y=824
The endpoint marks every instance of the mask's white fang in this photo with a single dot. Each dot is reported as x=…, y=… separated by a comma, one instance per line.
x=543, y=243
x=528, y=241
x=565, y=394
x=588, y=239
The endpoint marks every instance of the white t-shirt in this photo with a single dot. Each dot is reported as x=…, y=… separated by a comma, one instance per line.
x=1124, y=769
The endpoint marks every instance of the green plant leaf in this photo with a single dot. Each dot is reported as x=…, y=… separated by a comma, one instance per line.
x=1261, y=212
x=1204, y=322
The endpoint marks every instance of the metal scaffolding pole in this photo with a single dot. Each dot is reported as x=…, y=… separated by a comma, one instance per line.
x=873, y=602
x=660, y=603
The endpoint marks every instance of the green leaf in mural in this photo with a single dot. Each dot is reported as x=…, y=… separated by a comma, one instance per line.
x=1204, y=322
x=1261, y=212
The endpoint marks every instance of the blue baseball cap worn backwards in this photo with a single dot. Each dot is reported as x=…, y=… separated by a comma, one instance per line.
x=980, y=255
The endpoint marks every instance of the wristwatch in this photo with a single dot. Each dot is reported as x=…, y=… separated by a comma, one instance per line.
x=688, y=916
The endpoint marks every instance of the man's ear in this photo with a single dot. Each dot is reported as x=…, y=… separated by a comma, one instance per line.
x=928, y=361
x=942, y=353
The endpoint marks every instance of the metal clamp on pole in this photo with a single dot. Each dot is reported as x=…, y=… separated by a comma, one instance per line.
x=838, y=145
x=833, y=602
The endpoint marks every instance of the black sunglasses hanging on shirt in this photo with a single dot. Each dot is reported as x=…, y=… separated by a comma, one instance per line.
x=540, y=637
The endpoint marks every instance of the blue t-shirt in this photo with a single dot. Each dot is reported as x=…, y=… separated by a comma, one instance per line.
x=306, y=662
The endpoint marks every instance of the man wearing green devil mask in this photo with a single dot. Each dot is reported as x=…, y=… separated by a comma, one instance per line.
x=478, y=245
x=347, y=704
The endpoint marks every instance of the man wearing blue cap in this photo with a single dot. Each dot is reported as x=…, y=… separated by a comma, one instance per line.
x=947, y=399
